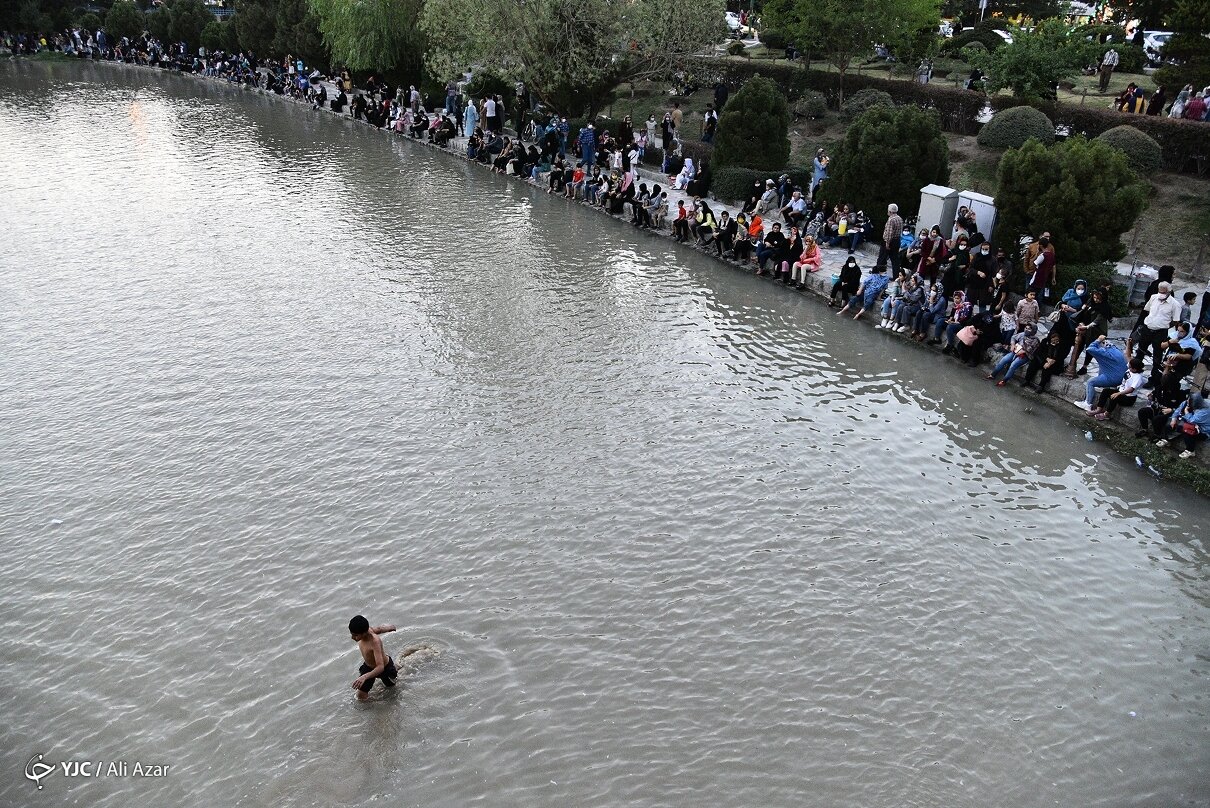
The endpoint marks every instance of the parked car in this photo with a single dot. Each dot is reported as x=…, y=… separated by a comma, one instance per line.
x=1155, y=40
x=1005, y=35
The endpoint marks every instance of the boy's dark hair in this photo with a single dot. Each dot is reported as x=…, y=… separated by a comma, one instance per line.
x=1136, y=365
x=1190, y=297
x=359, y=625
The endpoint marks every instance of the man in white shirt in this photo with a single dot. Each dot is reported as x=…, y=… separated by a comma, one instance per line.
x=796, y=210
x=1108, y=62
x=1162, y=311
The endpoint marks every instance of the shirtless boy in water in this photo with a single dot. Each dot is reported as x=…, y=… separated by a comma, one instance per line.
x=376, y=665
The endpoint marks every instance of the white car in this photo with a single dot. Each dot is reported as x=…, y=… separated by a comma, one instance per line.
x=733, y=21
x=1156, y=40
x=1005, y=35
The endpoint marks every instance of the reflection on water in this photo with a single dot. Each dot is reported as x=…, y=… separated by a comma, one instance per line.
x=675, y=532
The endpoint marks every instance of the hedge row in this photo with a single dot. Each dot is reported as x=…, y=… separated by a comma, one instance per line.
x=1182, y=141
x=958, y=108
x=734, y=184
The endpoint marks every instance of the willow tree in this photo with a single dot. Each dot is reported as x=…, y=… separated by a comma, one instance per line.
x=569, y=53
x=377, y=35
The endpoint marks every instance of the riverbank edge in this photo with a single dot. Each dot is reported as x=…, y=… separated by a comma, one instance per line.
x=1118, y=435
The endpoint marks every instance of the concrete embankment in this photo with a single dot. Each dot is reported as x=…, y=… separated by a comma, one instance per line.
x=1119, y=434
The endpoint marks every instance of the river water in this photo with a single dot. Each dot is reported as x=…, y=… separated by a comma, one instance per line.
x=671, y=534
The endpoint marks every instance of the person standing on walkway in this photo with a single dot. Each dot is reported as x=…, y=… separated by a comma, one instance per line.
x=588, y=145
x=1108, y=62
x=889, y=251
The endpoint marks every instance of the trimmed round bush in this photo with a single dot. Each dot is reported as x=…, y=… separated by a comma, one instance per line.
x=773, y=39
x=1010, y=128
x=863, y=100
x=735, y=48
x=973, y=47
x=1141, y=150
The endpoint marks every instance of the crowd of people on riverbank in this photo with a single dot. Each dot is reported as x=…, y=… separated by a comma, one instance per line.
x=951, y=289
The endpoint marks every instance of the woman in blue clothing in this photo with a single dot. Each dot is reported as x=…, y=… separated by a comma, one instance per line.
x=1111, y=367
x=1190, y=422
x=868, y=293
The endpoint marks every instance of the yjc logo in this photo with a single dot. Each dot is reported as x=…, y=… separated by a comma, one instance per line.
x=35, y=770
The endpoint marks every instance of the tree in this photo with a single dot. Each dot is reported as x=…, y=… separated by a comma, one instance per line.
x=844, y=30
x=298, y=33
x=212, y=36
x=1083, y=191
x=125, y=20
x=89, y=23
x=887, y=155
x=1187, y=48
x=569, y=53
x=377, y=35
x=255, y=23
x=1035, y=61
x=159, y=23
x=752, y=130
x=189, y=18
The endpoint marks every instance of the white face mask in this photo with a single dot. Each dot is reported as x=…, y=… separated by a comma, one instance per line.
x=1173, y=334
x=1163, y=295
x=985, y=252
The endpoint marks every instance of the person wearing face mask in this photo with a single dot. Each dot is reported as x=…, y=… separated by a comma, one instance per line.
x=980, y=277
x=1020, y=353
x=1160, y=312
x=1181, y=353
x=954, y=277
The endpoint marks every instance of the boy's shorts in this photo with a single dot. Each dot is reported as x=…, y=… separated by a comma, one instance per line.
x=388, y=676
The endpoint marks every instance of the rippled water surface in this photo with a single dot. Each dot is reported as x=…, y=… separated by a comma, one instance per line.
x=677, y=537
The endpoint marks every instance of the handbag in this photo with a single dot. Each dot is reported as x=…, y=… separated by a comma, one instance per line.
x=1188, y=428
x=1054, y=316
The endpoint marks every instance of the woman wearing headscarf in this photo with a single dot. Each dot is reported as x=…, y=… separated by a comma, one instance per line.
x=846, y=283
x=1090, y=322
x=1190, y=422
x=1156, y=105
x=1177, y=110
x=681, y=181
x=811, y=259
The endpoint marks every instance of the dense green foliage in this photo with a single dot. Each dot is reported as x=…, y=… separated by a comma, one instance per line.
x=1010, y=128
x=844, y=30
x=752, y=131
x=124, y=20
x=373, y=35
x=1188, y=47
x=1083, y=191
x=187, y=20
x=887, y=155
x=862, y=100
x=1035, y=61
x=567, y=51
x=1142, y=152
x=773, y=39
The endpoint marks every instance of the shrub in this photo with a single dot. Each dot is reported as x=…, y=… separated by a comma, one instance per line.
x=1180, y=141
x=1066, y=275
x=752, y=131
x=1142, y=152
x=773, y=39
x=863, y=100
x=1082, y=191
x=811, y=104
x=1010, y=128
x=972, y=47
x=887, y=155
x=734, y=183
x=736, y=48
